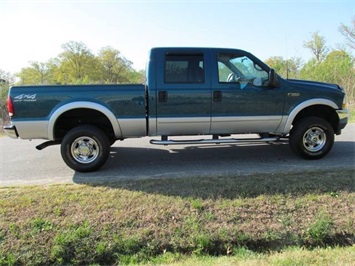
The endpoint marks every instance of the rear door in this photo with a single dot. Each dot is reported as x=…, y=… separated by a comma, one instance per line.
x=183, y=94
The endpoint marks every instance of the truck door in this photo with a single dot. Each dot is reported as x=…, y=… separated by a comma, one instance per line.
x=243, y=102
x=183, y=94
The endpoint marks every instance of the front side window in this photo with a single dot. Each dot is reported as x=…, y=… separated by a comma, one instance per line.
x=184, y=68
x=240, y=69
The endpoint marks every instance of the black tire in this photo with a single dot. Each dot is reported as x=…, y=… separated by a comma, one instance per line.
x=85, y=148
x=312, y=138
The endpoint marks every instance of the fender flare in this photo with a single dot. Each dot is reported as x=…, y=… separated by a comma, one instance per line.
x=83, y=104
x=302, y=106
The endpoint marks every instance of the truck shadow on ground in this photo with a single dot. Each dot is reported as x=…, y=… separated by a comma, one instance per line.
x=224, y=171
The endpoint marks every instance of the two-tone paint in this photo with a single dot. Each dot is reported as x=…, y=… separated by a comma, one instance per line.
x=38, y=108
x=192, y=109
x=210, y=107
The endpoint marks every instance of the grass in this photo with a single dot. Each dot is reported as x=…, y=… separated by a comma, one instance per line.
x=352, y=116
x=293, y=256
x=178, y=220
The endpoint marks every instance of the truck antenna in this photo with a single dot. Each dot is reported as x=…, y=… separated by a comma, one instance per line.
x=287, y=70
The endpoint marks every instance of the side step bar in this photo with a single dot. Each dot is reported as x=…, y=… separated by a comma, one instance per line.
x=47, y=144
x=215, y=140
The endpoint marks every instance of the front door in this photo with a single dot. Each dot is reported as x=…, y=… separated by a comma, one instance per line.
x=243, y=101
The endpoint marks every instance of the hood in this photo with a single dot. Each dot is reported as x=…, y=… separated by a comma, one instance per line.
x=314, y=84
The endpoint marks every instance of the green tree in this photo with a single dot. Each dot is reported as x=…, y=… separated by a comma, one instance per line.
x=286, y=68
x=338, y=68
x=277, y=63
x=317, y=46
x=114, y=67
x=77, y=65
x=349, y=33
x=137, y=76
x=6, y=79
x=36, y=73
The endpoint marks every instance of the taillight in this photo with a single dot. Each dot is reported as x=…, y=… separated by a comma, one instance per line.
x=10, y=106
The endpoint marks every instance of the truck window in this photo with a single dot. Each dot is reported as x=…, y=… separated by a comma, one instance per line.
x=241, y=69
x=184, y=68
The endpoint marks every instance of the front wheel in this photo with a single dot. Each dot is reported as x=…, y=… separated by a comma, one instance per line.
x=85, y=148
x=312, y=138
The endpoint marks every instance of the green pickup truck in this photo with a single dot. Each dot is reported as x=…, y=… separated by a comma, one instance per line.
x=212, y=92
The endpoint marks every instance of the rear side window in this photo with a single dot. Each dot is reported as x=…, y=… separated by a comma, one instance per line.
x=184, y=68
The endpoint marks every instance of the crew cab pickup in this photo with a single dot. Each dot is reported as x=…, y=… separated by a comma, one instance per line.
x=210, y=92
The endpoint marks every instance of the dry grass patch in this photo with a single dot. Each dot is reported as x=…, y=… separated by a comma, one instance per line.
x=136, y=221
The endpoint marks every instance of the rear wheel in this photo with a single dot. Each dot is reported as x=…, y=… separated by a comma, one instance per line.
x=85, y=148
x=312, y=138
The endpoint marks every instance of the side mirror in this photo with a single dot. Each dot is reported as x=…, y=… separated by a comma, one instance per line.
x=273, y=79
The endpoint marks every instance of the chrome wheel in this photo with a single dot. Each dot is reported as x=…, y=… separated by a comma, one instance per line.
x=314, y=139
x=85, y=150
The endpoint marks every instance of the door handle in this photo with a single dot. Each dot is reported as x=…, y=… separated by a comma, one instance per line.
x=163, y=96
x=217, y=96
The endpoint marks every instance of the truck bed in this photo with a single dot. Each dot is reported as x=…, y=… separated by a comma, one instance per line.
x=39, y=104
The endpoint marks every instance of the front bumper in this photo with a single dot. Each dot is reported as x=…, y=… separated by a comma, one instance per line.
x=11, y=131
x=344, y=116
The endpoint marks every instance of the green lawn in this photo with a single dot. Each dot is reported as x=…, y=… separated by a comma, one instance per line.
x=262, y=219
x=290, y=257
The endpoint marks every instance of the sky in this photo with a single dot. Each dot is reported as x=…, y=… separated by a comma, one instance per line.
x=35, y=30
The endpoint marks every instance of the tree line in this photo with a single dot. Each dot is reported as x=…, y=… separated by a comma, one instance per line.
x=75, y=65
x=335, y=65
x=78, y=65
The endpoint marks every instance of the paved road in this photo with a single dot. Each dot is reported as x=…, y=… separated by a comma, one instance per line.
x=22, y=164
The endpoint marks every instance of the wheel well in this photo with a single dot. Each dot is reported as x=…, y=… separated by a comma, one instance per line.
x=323, y=111
x=82, y=116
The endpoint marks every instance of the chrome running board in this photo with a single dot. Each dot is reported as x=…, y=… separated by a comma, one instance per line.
x=215, y=140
